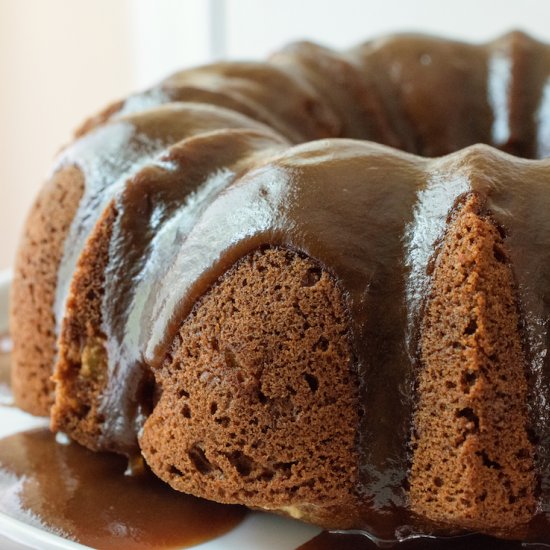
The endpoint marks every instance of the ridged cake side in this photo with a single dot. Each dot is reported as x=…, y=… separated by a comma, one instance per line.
x=473, y=463
x=34, y=284
x=81, y=367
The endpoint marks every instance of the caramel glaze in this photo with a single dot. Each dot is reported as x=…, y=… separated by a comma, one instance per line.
x=368, y=214
x=381, y=263
x=116, y=152
x=86, y=497
x=156, y=212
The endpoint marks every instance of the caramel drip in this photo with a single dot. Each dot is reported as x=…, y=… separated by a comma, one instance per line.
x=115, y=153
x=156, y=212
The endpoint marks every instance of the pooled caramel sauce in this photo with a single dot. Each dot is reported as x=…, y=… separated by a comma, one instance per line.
x=85, y=496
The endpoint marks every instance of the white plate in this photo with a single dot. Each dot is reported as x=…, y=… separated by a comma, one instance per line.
x=257, y=531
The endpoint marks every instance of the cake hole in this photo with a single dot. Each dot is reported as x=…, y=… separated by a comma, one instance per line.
x=289, y=257
x=321, y=344
x=312, y=382
x=183, y=394
x=223, y=421
x=488, y=462
x=285, y=468
x=186, y=411
x=83, y=410
x=266, y=475
x=469, y=378
x=241, y=462
x=213, y=408
x=173, y=471
x=311, y=276
x=470, y=416
x=198, y=459
x=262, y=397
x=438, y=482
x=290, y=390
x=471, y=328
x=499, y=254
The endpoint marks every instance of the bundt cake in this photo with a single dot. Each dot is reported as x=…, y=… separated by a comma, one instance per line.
x=318, y=285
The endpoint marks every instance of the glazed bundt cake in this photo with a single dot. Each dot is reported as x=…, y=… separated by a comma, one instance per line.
x=226, y=275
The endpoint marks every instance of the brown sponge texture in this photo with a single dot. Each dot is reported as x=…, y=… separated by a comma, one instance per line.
x=81, y=368
x=33, y=289
x=258, y=398
x=473, y=462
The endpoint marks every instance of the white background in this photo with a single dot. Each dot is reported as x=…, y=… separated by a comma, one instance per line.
x=61, y=60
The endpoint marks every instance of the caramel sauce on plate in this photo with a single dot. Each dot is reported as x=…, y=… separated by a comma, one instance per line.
x=86, y=497
x=66, y=489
